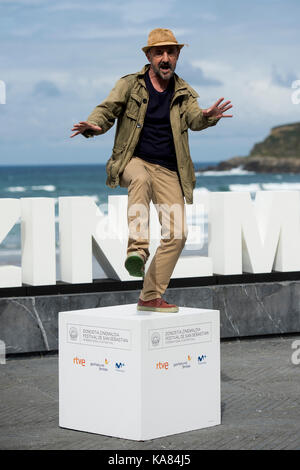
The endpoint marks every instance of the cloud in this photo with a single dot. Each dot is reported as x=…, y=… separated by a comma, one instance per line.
x=149, y=11
x=62, y=57
x=194, y=75
x=132, y=11
x=22, y=2
x=82, y=33
x=281, y=80
x=27, y=31
x=46, y=88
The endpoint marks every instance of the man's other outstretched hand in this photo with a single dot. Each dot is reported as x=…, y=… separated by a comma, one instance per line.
x=217, y=109
x=84, y=126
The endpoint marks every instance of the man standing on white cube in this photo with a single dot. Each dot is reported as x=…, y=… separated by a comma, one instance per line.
x=154, y=108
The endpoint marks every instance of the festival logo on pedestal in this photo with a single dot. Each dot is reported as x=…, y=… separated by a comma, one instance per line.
x=155, y=338
x=73, y=333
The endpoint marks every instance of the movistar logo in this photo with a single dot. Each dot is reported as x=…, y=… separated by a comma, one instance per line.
x=119, y=365
x=201, y=358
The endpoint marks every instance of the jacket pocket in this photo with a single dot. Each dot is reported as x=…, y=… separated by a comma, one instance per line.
x=133, y=106
x=114, y=162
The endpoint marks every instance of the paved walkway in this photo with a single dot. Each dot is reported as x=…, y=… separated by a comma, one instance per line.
x=260, y=404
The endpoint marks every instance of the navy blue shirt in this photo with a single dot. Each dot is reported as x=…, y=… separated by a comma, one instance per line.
x=156, y=144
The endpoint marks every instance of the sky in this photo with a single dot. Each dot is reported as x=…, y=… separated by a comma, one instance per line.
x=60, y=58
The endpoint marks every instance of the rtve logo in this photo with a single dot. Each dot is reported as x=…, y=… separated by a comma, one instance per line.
x=162, y=365
x=79, y=362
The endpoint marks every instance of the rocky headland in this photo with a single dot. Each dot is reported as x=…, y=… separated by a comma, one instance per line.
x=279, y=152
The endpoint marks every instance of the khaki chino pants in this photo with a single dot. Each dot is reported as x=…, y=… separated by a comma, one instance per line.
x=145, y=182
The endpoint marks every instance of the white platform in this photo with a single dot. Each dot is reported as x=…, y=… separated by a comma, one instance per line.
x=139, y=375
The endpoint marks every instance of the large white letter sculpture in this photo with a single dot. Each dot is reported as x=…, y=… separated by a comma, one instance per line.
x=85, y=230
x=76, y=216
x=243, y=236
x=254, y=236
x=195, y=265
x=110, y=243
x=38, y=241
x=10, y=211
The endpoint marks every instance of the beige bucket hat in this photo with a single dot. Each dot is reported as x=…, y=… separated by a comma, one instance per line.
x=161, y=37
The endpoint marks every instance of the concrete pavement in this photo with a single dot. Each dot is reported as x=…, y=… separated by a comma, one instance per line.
x=260, y=403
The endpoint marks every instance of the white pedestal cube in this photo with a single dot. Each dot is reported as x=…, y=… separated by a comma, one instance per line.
x=139, y=375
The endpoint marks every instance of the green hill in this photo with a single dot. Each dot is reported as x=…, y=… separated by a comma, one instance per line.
x=283, y=141
x=279, y=152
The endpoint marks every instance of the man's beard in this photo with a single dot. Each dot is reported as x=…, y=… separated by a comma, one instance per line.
x=164, y=66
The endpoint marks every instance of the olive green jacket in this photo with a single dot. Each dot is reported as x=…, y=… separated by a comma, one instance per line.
x=127, y=102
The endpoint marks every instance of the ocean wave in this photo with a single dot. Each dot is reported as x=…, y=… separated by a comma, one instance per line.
x=94, y=197
x=16, y=189
x=201, y=190
x=23, y=189
x=234, y=171
x=251, y=187
x=281, y=186
x=47, y=187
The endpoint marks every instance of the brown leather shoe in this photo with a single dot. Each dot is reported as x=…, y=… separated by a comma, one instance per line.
x=157, y=305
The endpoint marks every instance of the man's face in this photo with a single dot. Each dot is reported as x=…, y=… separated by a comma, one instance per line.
x=163, y=60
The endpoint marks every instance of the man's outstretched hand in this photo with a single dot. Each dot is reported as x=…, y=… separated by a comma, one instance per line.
x=84, y=126
x=218, y=109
